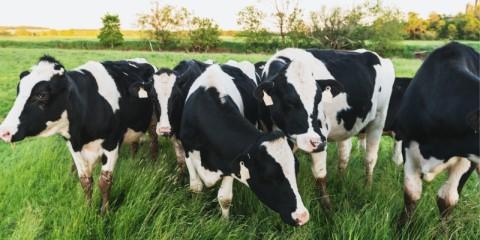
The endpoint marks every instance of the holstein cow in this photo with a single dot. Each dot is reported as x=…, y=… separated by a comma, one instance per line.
x=315, y=94
x=89, y=106
x=399, y=87
x=222, y=143
x=168, y=88
x=438, y=122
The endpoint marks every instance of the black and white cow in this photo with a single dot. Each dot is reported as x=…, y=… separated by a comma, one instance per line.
x=438, y=122
x=315, y=94
x=222, y=143
x=399, y=87
x=89, y=106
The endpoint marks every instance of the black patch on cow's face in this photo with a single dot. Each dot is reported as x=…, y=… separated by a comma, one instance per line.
x=46, y=103
x=270, y=185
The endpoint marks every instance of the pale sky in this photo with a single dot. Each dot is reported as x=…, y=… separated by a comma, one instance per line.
x=64, y=14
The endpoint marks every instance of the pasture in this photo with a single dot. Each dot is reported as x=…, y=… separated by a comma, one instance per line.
x=41, y=199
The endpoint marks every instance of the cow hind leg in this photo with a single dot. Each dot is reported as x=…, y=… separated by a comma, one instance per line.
x=344, y=148
x=397, y=156
x=106, y=176
x=84, y=170
x=319, y=169
x=362, y=141
x=196, y=184
x=449, y=193
x=374, y=135
x=225, y=196
x=412, y=184
x=180, y=155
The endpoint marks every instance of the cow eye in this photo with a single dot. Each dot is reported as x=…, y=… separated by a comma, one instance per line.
x=41, y=96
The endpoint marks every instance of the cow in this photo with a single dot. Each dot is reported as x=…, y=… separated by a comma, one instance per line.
x=222, y=143
x=316, y=94
x=438, y=122
x=399, y=87
x=89, y=106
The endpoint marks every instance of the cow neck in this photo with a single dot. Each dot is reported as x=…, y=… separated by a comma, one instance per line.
x=76, y=104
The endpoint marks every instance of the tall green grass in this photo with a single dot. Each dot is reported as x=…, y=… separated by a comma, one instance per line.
x=41, y=199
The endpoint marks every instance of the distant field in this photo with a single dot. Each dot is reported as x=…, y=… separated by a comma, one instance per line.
x=40, y=199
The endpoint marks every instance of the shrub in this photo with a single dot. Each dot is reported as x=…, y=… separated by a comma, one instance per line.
x=205, y=34
x=110, y=34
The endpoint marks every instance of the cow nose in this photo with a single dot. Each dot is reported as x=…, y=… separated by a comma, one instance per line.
x=164, y=131
x=315, y=142
x=301, y=217
x=6, y=135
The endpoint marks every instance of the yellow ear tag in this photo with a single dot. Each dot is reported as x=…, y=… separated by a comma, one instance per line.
x=327, y=95
x=142, y=93
x=267, y=99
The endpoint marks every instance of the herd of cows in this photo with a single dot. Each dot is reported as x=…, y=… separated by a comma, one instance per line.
x=243, y=121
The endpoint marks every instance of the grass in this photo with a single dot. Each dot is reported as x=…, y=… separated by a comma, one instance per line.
x=40, y=199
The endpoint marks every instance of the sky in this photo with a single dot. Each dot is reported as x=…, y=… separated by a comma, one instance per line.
x=86, y=14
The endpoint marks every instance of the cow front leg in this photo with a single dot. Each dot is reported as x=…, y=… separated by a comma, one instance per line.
x=196, y=184
x=412, y=185
x=106, y=176
x=180, y=154
x=373, y=142
x=397, y=153
x=84, y=170
x=449, y=193
x=343, y=148
x=362, y=141
x=319, y=169
x=225, y=196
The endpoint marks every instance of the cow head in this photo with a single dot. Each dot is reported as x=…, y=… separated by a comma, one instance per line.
x=295, y=99
x=270, y=171
x=39, y=108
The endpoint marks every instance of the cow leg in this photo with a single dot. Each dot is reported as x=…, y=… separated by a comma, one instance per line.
x=84, y=170
x=478, y=169
x=106, y=176
x=225, y=196
x=196, y=184
x=449, y=193
x=180, y=154
x=397, y=153
x=344, y=148
x=362, y=141
x=319, y=169
x=134, y=148
x=374, y=135
x=412, y=184
x=153, y=138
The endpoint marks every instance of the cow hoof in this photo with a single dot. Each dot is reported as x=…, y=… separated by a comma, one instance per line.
x=196, y=186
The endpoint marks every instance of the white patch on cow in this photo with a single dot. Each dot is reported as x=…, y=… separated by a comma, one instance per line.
x=430, y=167
x=58, y=126
x=124, y=73
x=319, y=164
x=244, y=174
x=281, y=153
x=449, y=190
x=163, y=85
x=225, y=195
x=43, y=71
x=112, y=157
x=214, y=77
x=397, y=153
x=474, y=158
x=92, y=150
x=196, y=184
x=106, y=85
x=208, y=177
x=247, y=67
x=132, y=136
x=142, y=93
x=209, y=61
x=141, y=60
x=267, y=99
x=412, y=181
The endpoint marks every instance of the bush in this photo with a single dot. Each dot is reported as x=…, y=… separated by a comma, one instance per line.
x=110, y=34
x=204, y=35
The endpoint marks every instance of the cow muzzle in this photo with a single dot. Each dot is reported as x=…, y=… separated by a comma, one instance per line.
x=310, y=142
x=301, y=216
x=6, y=135
x=164, y=131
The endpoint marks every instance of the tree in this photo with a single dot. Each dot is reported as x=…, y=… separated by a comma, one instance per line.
x=163, y=22
x=205, y=34
x=452, y=31
x=415, y=26
x=284, y=13
x=251, y=19
x=110, y=34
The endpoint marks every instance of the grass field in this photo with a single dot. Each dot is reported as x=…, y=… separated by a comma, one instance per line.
x=41, y=199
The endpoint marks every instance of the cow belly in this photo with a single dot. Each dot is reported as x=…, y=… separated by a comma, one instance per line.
x=132, y=136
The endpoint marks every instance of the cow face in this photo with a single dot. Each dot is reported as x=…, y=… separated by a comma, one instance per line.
x=163, y=84
x=295, y=100
x=271, y=174
x=39, y=109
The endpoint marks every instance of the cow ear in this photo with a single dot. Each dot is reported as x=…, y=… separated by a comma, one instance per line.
x=263, y=90
x=334, y=86
x=24, y=73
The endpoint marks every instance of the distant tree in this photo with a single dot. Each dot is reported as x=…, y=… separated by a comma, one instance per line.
x=162, y=22
x=285, y=13
x=415, y=26
x=205, y=34
x=452, y=31
x=110, y=34
x=386, y=30
x=251, y=19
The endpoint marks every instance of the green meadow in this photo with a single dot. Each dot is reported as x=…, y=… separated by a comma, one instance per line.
x=41, y=199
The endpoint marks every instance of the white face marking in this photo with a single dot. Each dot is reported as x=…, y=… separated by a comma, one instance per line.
x=59, y=126
x=282, y=154
x=43, y=71
x=106, y=85
x=163, y=85
x=214, y=77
